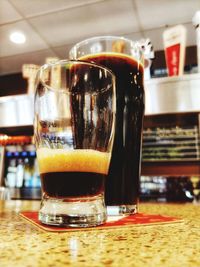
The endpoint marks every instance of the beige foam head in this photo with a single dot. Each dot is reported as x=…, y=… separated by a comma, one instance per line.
x=78, y=160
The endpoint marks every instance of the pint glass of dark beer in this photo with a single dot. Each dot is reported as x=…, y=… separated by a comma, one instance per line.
x=74, y=129
x=125, y=58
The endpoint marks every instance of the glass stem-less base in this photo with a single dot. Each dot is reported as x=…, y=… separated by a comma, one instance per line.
x=122, y=210
x=72, y=212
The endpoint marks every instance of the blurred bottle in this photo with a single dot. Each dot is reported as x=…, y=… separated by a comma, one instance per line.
x=174, y=44
x=11, y=173
x=19, y=173
x=27, y=173
x=147, y=49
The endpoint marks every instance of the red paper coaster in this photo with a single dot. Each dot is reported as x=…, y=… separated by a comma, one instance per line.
x=113, y=221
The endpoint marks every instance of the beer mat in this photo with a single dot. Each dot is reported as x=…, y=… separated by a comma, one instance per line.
x=138, y=219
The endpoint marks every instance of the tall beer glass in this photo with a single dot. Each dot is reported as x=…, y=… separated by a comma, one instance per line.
x=74, y=129
x=124, y=57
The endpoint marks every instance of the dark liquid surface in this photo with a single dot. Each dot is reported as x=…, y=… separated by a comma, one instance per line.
x=122, y=183
x=72, y=184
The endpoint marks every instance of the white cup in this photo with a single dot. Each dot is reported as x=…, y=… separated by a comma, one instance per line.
x=4, y=193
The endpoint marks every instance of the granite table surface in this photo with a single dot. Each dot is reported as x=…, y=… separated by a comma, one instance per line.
x=175, y=244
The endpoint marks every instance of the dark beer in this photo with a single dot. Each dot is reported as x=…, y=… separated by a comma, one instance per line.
x=72, y=184
x=72, y=174
x=122, y=183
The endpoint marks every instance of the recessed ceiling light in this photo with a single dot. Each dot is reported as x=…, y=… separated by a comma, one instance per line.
x=17, y=37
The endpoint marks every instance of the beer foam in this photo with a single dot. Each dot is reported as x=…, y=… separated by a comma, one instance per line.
x=77, y=160
x=117, y=55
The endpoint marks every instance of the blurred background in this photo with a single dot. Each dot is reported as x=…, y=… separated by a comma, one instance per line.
x=33, y=32
x=51, y=27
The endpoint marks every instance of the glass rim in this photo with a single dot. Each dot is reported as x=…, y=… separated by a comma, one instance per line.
x=103, y=37
x=62, y=62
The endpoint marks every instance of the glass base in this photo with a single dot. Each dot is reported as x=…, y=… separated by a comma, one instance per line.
x=122, y=210
x=87, y=212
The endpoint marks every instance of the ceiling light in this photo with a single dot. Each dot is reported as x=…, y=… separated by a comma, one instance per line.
x=17, y=37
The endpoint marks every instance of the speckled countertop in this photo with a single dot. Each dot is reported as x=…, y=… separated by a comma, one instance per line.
x=22, y=244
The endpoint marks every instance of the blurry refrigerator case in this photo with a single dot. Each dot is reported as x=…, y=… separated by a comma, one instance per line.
x=21, y=172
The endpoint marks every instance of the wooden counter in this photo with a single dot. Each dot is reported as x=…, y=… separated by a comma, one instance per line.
x=170, y=245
